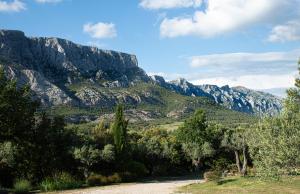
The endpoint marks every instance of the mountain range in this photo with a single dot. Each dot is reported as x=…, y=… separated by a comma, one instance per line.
x=64, y=74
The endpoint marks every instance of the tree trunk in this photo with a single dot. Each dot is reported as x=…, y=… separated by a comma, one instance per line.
x=245, y=162
x=197, y=164
x=237, y=160
x=86, y=173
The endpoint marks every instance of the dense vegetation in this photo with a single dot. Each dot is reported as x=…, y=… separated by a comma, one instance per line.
x=161, y=102
x=37, y=150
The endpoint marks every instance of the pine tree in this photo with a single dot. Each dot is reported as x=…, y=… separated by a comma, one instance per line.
x=119, y=130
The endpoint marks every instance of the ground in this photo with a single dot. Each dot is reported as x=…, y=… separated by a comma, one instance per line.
x=238, y=185
x=161, y=186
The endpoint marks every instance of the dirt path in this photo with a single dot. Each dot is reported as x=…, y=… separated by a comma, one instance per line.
x=147, y=187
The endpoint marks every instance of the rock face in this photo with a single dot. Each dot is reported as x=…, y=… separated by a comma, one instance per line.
x=51, y=64
x=235, y=98
x=61, y=72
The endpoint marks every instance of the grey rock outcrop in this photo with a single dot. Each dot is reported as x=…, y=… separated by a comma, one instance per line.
x=50, y=65
x=235, y=98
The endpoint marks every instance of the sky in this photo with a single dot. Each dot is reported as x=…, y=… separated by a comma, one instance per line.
x=251, y=43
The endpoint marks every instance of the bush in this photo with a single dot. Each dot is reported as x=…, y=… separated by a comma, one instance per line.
x=115, y=178
x=127, y=176
x=60, y=181
x=135, y=170
x=160, y=170
x=97, y=180
x=212, y=176
x=22, y=186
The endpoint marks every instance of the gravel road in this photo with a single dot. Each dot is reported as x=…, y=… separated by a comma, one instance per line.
x=166, y=186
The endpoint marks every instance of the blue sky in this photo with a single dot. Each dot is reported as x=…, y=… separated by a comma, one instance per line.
x=254, y=43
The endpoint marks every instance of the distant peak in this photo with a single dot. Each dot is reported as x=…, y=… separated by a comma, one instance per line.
x=4, y=32
x=226, y=87
x=157, y=78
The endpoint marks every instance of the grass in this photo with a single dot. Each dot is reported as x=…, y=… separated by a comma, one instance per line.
x=61, y=181
x=241, y=185
x=22, y=186
x=171, y=126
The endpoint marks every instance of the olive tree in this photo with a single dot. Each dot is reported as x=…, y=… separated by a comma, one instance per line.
x=197, y=138
x=236, y=141
x=275, y=142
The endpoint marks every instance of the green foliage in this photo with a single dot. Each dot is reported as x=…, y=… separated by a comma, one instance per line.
x=102, y=134
x=108, y=153
x=16, y=111
x=119, y=129
x=236, y=140
x=275, y=142
x=7, y=154
x=274, y=147
x=22, y=186
x=135, y=169
x=197, y=138
x=60, y=181
x=158, y=147
x=213, y=176
x=48, y=149
x=245, y=185
x=161, y=101
x=88, y=156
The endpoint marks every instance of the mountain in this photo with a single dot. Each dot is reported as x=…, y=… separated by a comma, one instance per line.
x=50, y=65
x=235, y=98
x=79, y=81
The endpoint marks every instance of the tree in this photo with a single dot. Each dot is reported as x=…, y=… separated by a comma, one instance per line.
x=88, y=156
x=101, y=134
x=197, y=138
x=235, y=140
x=47, y=149
x=108, y=153
x=16, y=110
x=159, y=151
x=275, y=142
x=292, y=102
x=119, y=130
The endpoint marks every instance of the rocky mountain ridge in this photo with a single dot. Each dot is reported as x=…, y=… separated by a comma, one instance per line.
x=235, y=98
x=61, y=72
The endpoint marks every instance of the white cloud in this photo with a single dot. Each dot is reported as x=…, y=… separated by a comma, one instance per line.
x=257, y=82
x=253, y=70
x=48, y=1
x=220, y=17
x=287, y=32
x=242, y=60
x=169, y=4
x=12, y=6
x=100, y=30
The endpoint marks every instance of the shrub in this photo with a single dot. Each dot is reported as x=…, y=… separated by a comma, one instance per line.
x=212, y=176
x=60, y=181
x=136, y=169
x=160, y=170
x=115, y=178
x=127, y=176
x=96, y=180
x=22, y=186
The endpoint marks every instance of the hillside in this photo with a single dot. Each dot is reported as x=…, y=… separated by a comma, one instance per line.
x=80, y=82
x=236, y=98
